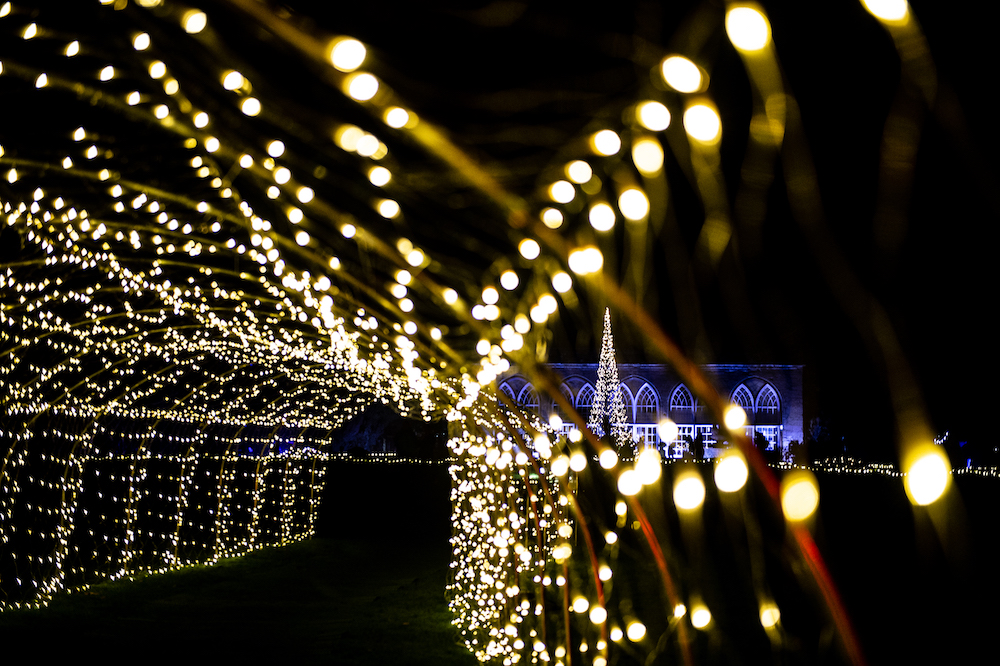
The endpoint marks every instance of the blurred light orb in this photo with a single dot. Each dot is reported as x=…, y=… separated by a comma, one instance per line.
x=560, y=466
x=734, y=417
x=927, y=477
x=602, y=217
x=633, y=204
x=529, y=248
x=562, y=282
x=702, y=123
x=509, y=280
x=579, y=171
x=410, y=328
x=276, y=148
x=362, y=87
x=578, y=462
x=194, y=21
x=680, y=610
x=689, y=491
x=629, y=483
x=799, y=495
x=562, y=191
x=888, y=10
x=635, y=631
x=552, y=218
x=388, y=208
x=232, y=80
x=731, y=472
x=769, y=615
x=397, y=117
x=652, y=115
x=415, y=257
x=302, y=238
x=667, y=430
x=580, y=605
x=250, y=106
x=598, y=615
x=379, y=176
x=140, y=42
x=490, y=295
x=747, y=28
x=701, y=617
x=347, y=54
x=586, y=260
x=647, y=155
x=681, y=74
x=608, y=458
x=648, y=466
x=607, y=142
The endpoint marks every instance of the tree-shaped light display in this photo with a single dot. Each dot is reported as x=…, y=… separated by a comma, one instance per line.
x=607, y=415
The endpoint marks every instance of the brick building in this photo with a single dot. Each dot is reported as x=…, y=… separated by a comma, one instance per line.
x=771, y=396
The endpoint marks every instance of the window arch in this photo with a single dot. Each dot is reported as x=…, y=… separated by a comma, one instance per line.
x=528, y=398
x=647, y=405
x=742, y=397
x=682, y=405
x=584, y=401
x=767, y=401
x=505, y=387
x=556, y=407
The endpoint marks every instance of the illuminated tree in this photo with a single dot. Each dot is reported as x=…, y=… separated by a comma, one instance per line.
x=607, y=415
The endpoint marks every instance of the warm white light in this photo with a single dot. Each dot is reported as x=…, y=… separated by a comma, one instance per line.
x=734, y=417
x=635, y=631
x=509, y=280
x=607, y=142
x=552, y=218
x=140, y=42
x=891, y=11
x=562, y=282
x=648, y=466
x=769, y=615
x=681, y=74
x=586, y=260
x=653, y=116
x=799, y=495
x=633, y=204
x=579, y=171
x=602, y=217
x=702, y=123
x=194, y=21
x=362, y=87
x=647, y=155
x=747, y=28
x=667, y=430
x=700, y=617
x=562, y=191
x=927, y=476
x=347, y=54
x=689, y=491
x=608, y=458
x=379, y=176
x=397, y=117
x=629, y=483
x=250, y=106
x=529, y=248
x=731, y=472
x=388, y=208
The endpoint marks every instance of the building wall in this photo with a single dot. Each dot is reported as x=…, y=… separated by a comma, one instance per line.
x=656, y=383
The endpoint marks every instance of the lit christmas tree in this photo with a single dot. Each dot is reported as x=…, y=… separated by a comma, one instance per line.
x=608, y=410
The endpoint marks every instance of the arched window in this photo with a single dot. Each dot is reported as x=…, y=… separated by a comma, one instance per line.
x=647, y=405
x=628, y=401
x=681, y=399
x=767, y=401
x=743, y=398
x=505, y=387
x=528, y=398
x=556, y=407
x=584, y=401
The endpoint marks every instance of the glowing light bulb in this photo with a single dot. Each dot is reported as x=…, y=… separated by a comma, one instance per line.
x=681, y=74
x=702, y=123
x=362, y=87
x=250, y=106
x=194, y=21
x=799, y=495
x=633, y=204
x=562, y=282
x=890, y=11
x=734, y=417
x=731, y=472
x=529, y=248
x=653, y=116
x=579, y=171
x=562, y=191
x=748, y=29
x=347, y=54
x=701, y=617
x=606, y=142
x=927, y=476
x=647, y=155
x=667, y=430
x=602, y=217
x=689, y=491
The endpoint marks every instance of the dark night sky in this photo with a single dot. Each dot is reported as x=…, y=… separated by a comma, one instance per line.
x=483, y=82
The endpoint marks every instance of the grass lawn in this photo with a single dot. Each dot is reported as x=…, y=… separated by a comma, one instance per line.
x=368, y=595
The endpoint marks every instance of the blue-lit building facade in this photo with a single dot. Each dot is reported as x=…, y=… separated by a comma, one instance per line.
x=771, y=396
